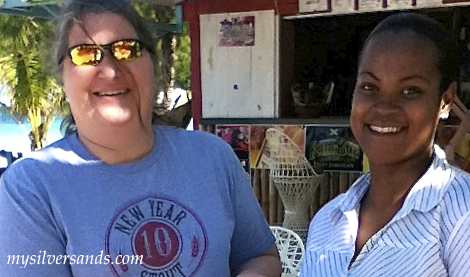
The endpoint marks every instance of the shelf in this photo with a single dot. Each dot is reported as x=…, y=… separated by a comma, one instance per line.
x=327, y=120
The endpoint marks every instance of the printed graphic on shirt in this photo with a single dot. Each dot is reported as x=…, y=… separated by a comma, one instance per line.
x=168, y=236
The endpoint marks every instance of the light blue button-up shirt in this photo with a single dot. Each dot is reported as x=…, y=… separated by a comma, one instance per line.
x=428, y=237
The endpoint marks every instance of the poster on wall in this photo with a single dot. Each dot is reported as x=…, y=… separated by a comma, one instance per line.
x=342, y=6
x=333, y=148
x=399, y=4
x=259, y=151
x=370, y=5
x=429, y=3
x=315, y=5
x=238, y=137
x=454, y=1
x=237, y=31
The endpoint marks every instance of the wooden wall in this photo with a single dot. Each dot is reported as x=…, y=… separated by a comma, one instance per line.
x=334, y=184
x=266, y=193
x=192, y=11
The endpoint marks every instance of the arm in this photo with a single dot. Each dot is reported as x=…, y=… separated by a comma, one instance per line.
x=264, y=266
x=457, y=251
x=253, y=251
x=29, y=238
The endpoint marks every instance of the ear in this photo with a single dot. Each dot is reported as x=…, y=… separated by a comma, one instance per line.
x=447, y=100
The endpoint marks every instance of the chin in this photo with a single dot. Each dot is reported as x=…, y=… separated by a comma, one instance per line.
x=116, y=115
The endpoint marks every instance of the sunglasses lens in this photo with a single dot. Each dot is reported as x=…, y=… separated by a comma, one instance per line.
x=89, y=54
x=126, y=50
x=86, y=55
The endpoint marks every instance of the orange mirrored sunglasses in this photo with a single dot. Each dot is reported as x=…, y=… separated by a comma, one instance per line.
x=92, y=54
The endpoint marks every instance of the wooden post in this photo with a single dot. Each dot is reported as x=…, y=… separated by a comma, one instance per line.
x=343, y=182
x=280, y=211
x=265, y=192
x=210, y=128
x=334, y=185
x=324, y=190
x=272, y=203
x=256, y=184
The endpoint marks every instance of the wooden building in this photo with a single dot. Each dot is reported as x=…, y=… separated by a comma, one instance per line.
x=293, y=65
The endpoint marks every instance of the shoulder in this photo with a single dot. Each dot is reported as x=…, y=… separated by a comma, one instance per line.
x=457, y=194
x=194, y=140
x=323, y=223
x=331, y=220
x=40, y=164
x=461, y=179
x=328, y=211
x=457, y=250
x=454, y=207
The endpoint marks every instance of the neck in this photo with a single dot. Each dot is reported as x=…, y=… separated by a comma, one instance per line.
x=390, y=184
x=119, y=145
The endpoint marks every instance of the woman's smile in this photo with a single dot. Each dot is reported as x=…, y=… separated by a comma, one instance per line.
x=385, y=130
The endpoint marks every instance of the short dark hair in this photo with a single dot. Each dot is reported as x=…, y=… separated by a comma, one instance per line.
x=426, y=28
x=77, y=9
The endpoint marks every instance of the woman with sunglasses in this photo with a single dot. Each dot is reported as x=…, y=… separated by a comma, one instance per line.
x=411, y=215
x=121, y=197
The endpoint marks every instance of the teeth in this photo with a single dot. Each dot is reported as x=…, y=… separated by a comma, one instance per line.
x=385, y=130
x=109, y=93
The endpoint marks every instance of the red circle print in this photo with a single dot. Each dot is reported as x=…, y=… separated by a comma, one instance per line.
x=158, y=243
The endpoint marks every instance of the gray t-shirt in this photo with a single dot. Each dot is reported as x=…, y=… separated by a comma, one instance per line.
x=187, y=209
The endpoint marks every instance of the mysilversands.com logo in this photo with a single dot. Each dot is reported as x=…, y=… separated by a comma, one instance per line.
x=168, y=236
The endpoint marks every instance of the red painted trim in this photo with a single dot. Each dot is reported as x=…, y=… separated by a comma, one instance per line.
x=191, y=12
x=454, y=1
x=282, y=7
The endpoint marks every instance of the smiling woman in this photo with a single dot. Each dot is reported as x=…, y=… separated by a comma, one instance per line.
x=122, y=186
x=410, y=216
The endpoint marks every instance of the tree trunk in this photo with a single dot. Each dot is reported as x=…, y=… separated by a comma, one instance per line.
x=164, y=15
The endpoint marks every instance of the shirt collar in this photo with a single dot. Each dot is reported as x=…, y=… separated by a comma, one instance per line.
x=424, y=195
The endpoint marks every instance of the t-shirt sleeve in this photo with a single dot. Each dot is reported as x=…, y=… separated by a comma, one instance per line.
x=30, y=243
x=457, y=251
x=252, y=236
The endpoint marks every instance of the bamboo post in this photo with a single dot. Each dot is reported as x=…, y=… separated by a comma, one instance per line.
x=353, y=176
x=265, y=192
x=210, y=129
x=343, y=182
x=324, y=190
x=202, y=127
x=334, y=185
x=256, y=184
x=314, y=203
x=280, y=211
x=272, y=203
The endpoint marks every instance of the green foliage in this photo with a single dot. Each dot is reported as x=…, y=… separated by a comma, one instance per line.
x=182, y=59
x=25, y=65
x=181, y=56
x=24, y=53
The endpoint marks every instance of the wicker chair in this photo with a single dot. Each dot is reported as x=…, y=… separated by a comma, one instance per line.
x=291, y=249
x=294, y=178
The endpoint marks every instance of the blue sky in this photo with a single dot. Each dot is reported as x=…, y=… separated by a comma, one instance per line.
x=3, y=96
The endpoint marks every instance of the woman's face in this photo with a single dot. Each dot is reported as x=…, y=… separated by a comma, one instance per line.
x=396, y=104
x=112, y=93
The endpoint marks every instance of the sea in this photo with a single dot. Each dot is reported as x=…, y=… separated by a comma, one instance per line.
x=14, y=137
